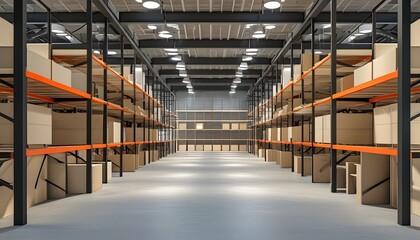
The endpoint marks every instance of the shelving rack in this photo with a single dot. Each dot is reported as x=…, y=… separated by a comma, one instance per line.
x=267, y=94
x=157, y=99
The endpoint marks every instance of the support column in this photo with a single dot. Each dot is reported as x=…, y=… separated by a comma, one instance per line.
x=122, y=112
x=105, y=108
x=89, y=87
x=333, y=126
x=20, y=114
x=404, y=101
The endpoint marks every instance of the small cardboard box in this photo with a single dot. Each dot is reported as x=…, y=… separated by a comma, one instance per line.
x=307, y=165
x=208, y=148
x=217, y=148
x=284, y=159
x=345, y=83
x=225, y=126
x=130, y=162
x=76, y=174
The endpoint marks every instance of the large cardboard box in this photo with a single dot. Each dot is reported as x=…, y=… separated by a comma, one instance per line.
x=306, y=61
x=345, y=83
x=235, y=126
x=295, y=133
x=352, y=128
x=217, y=148
x=363, y=74
x=199, y=147
x=386, y=124
x=243, y=126
x=208, y=147
x=6, y=36
x=106, y=171
x=372, y=170
x=322, y=168
x=307, y=165
x=57, y=175
x=35, y=195
x=70, y=129
x=182, y=126
x=234, y=147
x=39, y=125
x=130, y=162
x=383, y=48
x=242, y=148
x=319, y=129
x=182, y=148
x=284, y=159
x=415, y=33
x=225, y=126
x=272, y=155
x=76, y=178
x=415, y=192
x=261, y=153
x=225, y=147
x=282, y=134
x=388, y=62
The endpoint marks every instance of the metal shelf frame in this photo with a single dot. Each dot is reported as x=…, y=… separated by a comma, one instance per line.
x=261, y=100
x=23, y=92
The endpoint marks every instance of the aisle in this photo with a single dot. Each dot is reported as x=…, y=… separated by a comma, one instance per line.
x=209, y=196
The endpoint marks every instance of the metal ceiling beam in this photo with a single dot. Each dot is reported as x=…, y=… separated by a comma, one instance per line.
x=211, y=61
x=207, y=43
x=245, y=81
x=216, y=72
x=209, y=17
x=210, y=88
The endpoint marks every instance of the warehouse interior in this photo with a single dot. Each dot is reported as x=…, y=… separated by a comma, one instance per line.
x=218, y=119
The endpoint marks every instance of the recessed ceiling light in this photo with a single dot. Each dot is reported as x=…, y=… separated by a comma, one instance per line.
x=251, y=53
x=151, y=4
x=232, y=91
x=180, y=65
x=69, y=37
x=170, y=50
x=57, y=28
x=239, y=74
x=246, y=58
x=234, y=86
x=359, y=34
x=61, y=34
x=165, y=35
x=176, y=58
x=96, y=52
x=237, y=80
x=189, y=86
x=251, y=50
x=269, y=27
x=172, y=53
x=318, y=52
x=152, y=27
x=259, y=35
x=244, y=65
x=112, y=53
x=186, y=80
x=365, y=28
x=270, y=4
x=183, y=73
x=326, y=26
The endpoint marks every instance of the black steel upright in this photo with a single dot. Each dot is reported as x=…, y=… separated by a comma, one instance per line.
x=20, y=113
x=313, y=95
x=333, y=127
x=404, y=99
x=122, y=112
x=89, y=87
x=292, y=73
x=302, y=133
x=105, y=107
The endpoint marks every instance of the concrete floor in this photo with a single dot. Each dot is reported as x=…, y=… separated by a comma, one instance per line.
x=214, y=196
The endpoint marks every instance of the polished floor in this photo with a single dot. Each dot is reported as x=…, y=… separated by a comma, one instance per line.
x=210, y=196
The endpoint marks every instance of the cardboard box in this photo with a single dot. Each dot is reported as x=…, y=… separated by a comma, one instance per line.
x=350, y=177
x=34, y=195
x=39, y=125
x=296, y=102
x=261, y=153
x=307, y=165
x=217, y=148
x=363, y=74
x=6, y=36
x=76, y=175
x=234, y=148
x=182, y=148
x=208, y=148
x=42, y=49
x=282, y=134
x=106, y=171
x=130, y=162
x=319, y=129
x=415, y=33
x=415, y=192
x=382, y=48
x=386, y=124
x=388, y=62
x=352, y=128
x=235, y=126
x=306, y=61
x=322, y=168
x=242, y=148
x=199, y=147
x=243, y=126
x=345, y=83
x=225, y=147
x=225, y=126
x=295, y=133
x=284, y=159
x=373, y=169
x=272, y=155
x=191, y=147
x=56, y=174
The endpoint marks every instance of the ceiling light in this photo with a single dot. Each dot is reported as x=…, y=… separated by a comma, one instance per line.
x=69, y=37
x=351, y=38
x=191, y=92
x=165, y=35
x=269, y=27
x=152, y=27
x=365, y=28
x=359, y=34
x=186, y=80
x=183, y=73
x=232, y=91
x=270, y=4
x=251, y=50
x=251, y=53
x=172, y=53
x=61, y=34
x=239, y=74
x=242, y=68
x=176, y=58
x=258, y=29
x=244, y=65
x=151, y=4
x=318, y=52
x=326, y=26
x=237, y=80
x=112, y=53
x=259, y=35
x=189, y=86
x=170, y=50
x=57, y=28
x=234, y=86
x=96, y=52
x=246, y=58
x=180, y=65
